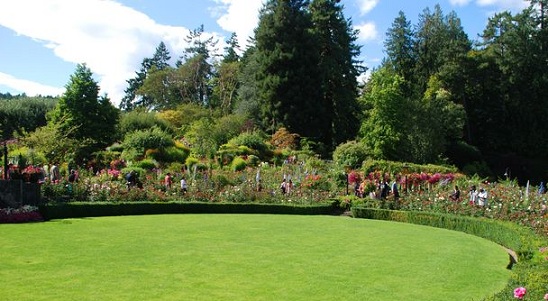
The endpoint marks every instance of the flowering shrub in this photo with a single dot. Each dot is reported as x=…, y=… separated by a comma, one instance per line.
x=520, y=292
x=20, y=215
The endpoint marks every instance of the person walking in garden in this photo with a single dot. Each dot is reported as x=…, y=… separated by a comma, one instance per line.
x=482, y=197
x=473, y=194
x=455, y=196
x=73, y=176
x=394, y=189
x=54, y=173
x=184, y=186
x=131, y=179
x=168, y=181
x=283, y=186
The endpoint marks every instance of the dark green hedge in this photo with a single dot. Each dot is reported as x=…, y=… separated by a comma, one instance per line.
x=77, y=210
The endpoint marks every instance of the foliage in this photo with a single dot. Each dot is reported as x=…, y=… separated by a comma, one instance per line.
x=85, y=116
x=254, y=140
x=339, y=68
x=23, y=114
x=287, y=95
x=146, y=164
x=283, y=139
x=238, y=164
x=53, y=142
x=138, y=142
x=132, y=99
x=351, y=154
x=394, y=167
x=136, y=120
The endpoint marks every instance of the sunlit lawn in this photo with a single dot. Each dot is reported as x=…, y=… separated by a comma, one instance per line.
x=244, y=257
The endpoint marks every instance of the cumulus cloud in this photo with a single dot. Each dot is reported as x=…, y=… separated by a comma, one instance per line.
x=504, y=4
x=28, y=87
x=459, y=2
x=239, y=16
x=368, y=31
x=110, y=38
x=367, y=5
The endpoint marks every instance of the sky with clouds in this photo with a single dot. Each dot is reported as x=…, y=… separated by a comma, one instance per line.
x=43, y=40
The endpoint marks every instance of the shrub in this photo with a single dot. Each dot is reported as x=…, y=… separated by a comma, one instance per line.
x=283, y=139
x=191, y=161
x=136, y=143
x=254, y=140
x=238, y=164
x=146, y=164
x=253, y=160
x=351, y=154
x=141, y=121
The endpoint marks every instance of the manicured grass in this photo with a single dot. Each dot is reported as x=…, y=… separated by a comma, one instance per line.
x=244, y=257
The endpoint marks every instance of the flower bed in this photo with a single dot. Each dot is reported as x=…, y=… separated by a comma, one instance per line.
x=24, y=214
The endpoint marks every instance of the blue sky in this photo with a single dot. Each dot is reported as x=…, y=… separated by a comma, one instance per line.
x=41, y=41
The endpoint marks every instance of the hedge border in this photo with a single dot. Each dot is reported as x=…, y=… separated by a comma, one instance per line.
x=80, y=210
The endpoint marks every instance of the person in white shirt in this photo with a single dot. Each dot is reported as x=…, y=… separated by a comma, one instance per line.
x=184, y=187
x=482, y=197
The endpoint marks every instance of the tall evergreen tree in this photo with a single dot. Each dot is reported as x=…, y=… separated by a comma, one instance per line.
x=88, y=117
x=287, y=76
x=198, y=61
x=399, y=46
x=132, y=99
x=339, y=68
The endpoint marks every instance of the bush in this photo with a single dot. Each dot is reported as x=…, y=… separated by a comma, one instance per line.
x=146, y=164
x=254, y=140
x=136, y=143
x=351, y=154
x=141, y=121
x=238, y=164
x=394, y=167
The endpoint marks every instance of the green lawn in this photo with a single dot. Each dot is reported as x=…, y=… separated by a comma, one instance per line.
x=244, y=257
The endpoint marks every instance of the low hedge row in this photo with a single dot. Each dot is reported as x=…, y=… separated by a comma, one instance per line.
x=78, y=210
x=530, y=272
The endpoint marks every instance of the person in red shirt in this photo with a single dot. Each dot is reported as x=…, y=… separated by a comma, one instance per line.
x=168, y=181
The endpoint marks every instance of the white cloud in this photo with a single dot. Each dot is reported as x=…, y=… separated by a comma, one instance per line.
x=239, y=16
x=110, y=38
x=367, y=5
x=504, y=4
x=368, y=31
x=459, y=2
x=28, y=87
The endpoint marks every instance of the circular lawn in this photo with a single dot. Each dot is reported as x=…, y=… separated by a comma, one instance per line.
x=245, y=257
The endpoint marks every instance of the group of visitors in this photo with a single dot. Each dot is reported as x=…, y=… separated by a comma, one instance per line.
x=475, y=196
x=132, y=180
x=286, y=186
x=383, y=189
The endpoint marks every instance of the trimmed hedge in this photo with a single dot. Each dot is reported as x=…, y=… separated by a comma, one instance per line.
x=78, y=210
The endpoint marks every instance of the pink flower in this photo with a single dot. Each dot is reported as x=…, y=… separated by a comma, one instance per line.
x=520, y=292
x=546, y=297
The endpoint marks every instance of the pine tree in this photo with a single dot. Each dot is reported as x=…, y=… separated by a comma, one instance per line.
x=87, y=118
x=339, y=69
x=131, y=99
x=287, y=75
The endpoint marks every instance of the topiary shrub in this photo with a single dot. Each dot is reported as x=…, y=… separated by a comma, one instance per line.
x=136, y=143
x=351, y=154
x=238, y=164
x=254, y=140
x=146, y=164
